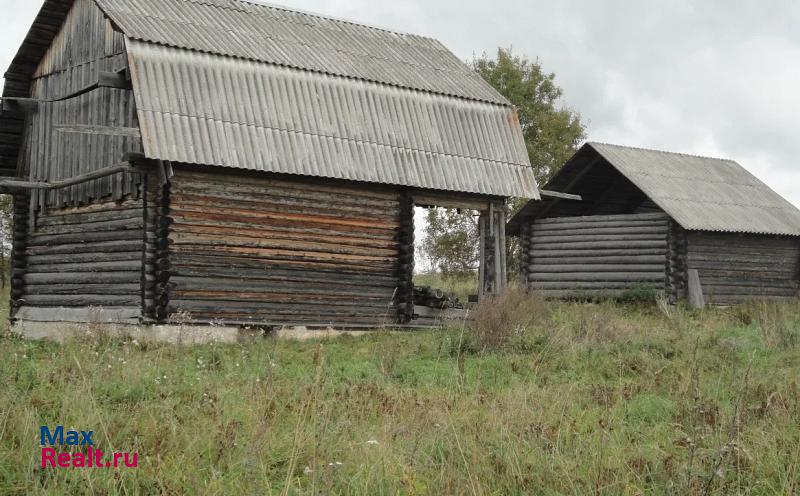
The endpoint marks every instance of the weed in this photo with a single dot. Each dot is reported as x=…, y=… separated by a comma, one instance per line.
x=499, y=319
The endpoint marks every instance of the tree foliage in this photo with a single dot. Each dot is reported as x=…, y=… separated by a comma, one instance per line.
x=552, y=134
x=454, y=248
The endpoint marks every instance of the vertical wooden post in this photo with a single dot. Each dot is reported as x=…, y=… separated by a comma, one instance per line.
x=502, y=249
x=482, y=256
x=163, y=264
x=491, y=226
x=404, y=297
x=144, y=185
x=19, y=260
x=524, y=250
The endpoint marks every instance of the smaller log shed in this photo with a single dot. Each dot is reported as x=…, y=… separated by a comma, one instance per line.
x=665, y=221
x=235, y=163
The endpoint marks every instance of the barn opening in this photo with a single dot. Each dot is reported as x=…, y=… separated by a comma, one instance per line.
x=468, y=260
x=447, y=257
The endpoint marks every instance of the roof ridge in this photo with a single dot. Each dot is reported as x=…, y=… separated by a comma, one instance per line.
x=639, y=148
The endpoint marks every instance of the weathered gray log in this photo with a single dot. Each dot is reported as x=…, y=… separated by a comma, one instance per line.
x=583, y=293
x=633, y=258
x=623, y=239
x=575, y=285
x=80, y=217
x=595, y=276
x=79, y=248
x=592, y=220
x=747, y=275
x=604, y=252
x=755, y=292
x=120, y=266
x=600, y=245
x=81, y=278
x=749, y=283
x=77, y=289
x=299, y=288
x=595, y=268
x=84, y=300
x=275, y=273
x=278, y=244
x=84, y=237
x=85, y=258
x=74, y=229
x=656, y=232
x=309, y=307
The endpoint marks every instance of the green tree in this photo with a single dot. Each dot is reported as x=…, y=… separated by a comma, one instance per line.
x=552, y=134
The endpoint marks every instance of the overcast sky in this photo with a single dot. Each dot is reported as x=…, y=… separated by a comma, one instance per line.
x=715, y=77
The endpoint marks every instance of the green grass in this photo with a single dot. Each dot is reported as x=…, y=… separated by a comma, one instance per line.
x=585, y=399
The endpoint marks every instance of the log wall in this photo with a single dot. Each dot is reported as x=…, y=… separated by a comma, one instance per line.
x=735, y=268
x=677, y=263
x=86, y=133
x=82, y=257
x=18, y=252
x=596, y=255
x=245, y=249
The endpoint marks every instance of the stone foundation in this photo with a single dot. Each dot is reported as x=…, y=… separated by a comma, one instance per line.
x=171, y=334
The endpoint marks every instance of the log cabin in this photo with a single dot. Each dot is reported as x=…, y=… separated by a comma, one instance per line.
x=233, y=163
x=692, y=227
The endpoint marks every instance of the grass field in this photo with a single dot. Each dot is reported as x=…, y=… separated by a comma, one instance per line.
x=562, y=399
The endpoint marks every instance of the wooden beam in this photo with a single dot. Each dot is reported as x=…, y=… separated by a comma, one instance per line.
x=15, y=185
x=449, y=201
x=98, y=130
x=19, y=105
x=563, y=196
x=116, y=80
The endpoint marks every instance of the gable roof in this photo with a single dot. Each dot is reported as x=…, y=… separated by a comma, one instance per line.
x=276, y=35
x=246, y=85
x=699, y=193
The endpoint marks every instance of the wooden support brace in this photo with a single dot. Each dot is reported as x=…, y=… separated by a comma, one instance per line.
x=696, y=298
x=117, y=80
x=17, y=185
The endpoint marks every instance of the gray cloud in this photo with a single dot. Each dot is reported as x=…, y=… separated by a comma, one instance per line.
x=713, y=77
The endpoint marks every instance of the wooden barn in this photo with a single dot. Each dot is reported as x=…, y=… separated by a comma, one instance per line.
x=645, y=219
x=232, y=163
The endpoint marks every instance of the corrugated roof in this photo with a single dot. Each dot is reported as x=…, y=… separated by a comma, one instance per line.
x=699, y=193
x=705, y=194
x=277, y=35
x=209, y=109
x=239, y=84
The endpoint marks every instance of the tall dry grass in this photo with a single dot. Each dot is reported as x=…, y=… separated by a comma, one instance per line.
x=582, y=398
